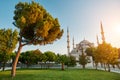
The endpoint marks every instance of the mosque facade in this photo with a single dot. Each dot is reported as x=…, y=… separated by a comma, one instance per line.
x=81, y=48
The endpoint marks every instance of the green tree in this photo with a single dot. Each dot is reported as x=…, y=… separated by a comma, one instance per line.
x=62, y=59
x=4, y=57
x=38, y=54
x=65, y=60
x=71, y=61
x=8, y=41
x=51, y=56
x=30, y=57
x=83, y=59
x=90, y=51
x=13, y=56
x=36, y=26
x=44, y=58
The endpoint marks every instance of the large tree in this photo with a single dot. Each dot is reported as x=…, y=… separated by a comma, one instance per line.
x=36, y=26
x=8, y=41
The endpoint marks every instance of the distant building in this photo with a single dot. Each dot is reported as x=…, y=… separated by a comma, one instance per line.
x=83, y=45
x=77, y=50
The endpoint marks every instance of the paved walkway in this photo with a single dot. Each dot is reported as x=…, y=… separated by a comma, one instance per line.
x=8, y=68
x=116, y=70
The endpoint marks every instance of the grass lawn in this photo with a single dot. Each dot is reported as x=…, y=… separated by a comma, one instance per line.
x=56, y=74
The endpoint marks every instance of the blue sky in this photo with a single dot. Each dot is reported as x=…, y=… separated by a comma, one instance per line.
x=81, y=16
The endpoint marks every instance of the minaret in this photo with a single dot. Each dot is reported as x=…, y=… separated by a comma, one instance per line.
x=73, y=43
x=68, y=42
x=97, y=40
x=102, y=33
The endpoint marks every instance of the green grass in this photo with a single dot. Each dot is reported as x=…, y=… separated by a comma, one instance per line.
x=69, y=74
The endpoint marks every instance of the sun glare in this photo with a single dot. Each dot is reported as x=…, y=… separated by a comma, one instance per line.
x=117, y=29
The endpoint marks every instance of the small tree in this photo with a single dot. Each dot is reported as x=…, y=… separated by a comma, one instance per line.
x=36, y=26
x=96, y=58
x=4, y=57
x=83, y=59
x=38, y=54
x=90, y=52
x=62, y=59
x=50, y=56
x=30, y=57
x=44, y=59
x=71, y=61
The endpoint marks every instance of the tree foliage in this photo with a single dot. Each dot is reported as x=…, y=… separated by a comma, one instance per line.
x=43, y=58
x=38, y=54
x=71, y=61
x=8, y=41
x=83, y=60
x=50, y=56
x=30, y=57
x=36, y=26
x=119, y=52
x=90, y=51
x=106, y=54
x=62, y=59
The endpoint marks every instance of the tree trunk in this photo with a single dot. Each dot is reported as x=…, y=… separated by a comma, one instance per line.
x=108, y=67
x=0, y=64
x=41, y=65
x=13, y=71
x=45, y=65
x=48, y=65
x=105, y=66
x=62, y=66
x=101, y=65
x=96, y=64
x=83, y=66
x=118, y=66
x=4, y=66
x=93, y=62
x=113, y=66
